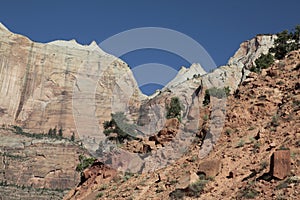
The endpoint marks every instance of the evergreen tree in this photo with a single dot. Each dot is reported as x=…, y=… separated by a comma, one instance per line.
x=286, y=42
x=119, y=125
x=174, y=109
x=54, y=131
x=263, y=62
x=73, y=137
x=60, y=133
x=50, y=132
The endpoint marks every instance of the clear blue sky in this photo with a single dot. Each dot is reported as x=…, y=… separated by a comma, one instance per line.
x=219, y=26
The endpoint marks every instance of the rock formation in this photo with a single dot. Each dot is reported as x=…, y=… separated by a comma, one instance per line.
x=31, y=166
x=61, y=83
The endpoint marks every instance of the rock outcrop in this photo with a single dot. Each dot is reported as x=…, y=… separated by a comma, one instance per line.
x=98, y=174
x=61, y=83
x=280, y=166
x=31, y=165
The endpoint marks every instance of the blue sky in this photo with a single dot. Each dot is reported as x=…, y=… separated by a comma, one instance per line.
x=219, y=26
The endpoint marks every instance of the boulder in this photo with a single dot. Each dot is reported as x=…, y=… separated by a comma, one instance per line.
x=280, y=166
x=210, y=168
x=186, y=180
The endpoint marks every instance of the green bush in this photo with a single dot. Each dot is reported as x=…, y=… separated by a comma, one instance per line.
x=84, y=163
x=215, y=92
x=286, y=41
x=263, y=62
x=197, y=188
x=249, y=193
x=177, y=194
x=174, y=109
x=119, y=125
x=100, y=194
x=73, y=137
x=240, y=144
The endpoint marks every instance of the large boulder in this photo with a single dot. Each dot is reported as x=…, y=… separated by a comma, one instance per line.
x=210, y=168
x=280, y=166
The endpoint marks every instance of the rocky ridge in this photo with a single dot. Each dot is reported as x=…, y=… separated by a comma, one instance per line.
x=262, y=119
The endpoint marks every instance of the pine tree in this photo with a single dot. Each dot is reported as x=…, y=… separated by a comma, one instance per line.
x=60, y=133
x=73, y=137
x=174, y=109
x=50, y=132
x=54, y=131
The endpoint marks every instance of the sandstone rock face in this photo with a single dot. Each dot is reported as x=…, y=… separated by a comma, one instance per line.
x=281, y=164
x=237, y=68
x=250, y=50
x=43, y=86
x=27, y=163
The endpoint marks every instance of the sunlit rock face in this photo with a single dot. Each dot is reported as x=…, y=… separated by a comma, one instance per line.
x=61, y=83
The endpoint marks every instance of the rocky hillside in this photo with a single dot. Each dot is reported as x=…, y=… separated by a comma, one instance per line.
x=256, y=157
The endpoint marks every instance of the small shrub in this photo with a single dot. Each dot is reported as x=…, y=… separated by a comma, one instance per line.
x=206, y=100
x=84, y=163
x=99, y=195
x=249, y=193
x=73, y=137
x=197, y=188
x=177, y=194
x=256, y=147
x=240, y=144
x=296, y=103
x=205, y=117
x=119, y=125
x=280, y=83
x=174, y=109
x=274, y=121
x=127, y=176
x=215, y=92
x=228, y=131
x=194, y=158
x=173, y=182
x=263, y=62
x=103, y=187
x=293, y=155
x=60, y=133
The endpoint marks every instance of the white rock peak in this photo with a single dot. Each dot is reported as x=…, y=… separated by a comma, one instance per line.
x=74, y=44
x=186, y=73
